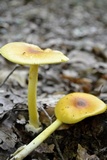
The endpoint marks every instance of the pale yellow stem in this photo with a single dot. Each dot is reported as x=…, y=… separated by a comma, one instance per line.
x=37, y=141
x=32, y=96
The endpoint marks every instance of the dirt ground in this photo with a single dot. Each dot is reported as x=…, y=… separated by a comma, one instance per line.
x=78, y=28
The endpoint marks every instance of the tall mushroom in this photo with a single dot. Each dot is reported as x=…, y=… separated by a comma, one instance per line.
x=70, y=109
x=29, y=54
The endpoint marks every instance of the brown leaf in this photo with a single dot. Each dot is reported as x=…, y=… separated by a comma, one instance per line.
x=7, y=138
x=83, y=155
x=45, y=148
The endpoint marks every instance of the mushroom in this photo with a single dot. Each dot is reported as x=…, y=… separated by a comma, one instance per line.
x=70, y=109
x=29, y=54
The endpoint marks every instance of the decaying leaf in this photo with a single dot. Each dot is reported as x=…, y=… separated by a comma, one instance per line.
x=49, y=100
x=5, y=106
x=45, y=148
x=79, y=59
x=16, y=77
x=83, y=155
x=7, y=138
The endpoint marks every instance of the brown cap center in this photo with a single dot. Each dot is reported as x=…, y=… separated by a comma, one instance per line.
x=31, y=50
x=80, y=102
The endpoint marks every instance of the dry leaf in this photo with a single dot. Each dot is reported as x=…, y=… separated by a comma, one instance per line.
x=83, y=155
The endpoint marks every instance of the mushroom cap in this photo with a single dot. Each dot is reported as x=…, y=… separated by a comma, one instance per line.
x=25, y=53
x=74, y=107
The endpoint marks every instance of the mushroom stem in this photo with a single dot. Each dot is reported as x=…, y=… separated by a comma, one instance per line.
x=37, y=141
x=32, y=96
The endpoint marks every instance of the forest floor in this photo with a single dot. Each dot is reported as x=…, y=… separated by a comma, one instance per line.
x=78, y=28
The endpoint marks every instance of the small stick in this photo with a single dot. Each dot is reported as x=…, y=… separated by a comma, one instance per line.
x=9, y=75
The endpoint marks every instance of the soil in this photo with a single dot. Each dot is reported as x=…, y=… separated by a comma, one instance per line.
x=78, y=28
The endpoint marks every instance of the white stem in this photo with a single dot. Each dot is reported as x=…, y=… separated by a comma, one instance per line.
x=37, y=141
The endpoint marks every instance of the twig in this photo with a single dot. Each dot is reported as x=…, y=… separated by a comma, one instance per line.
x=57, y=147
x=9, y=75
x=46, y=113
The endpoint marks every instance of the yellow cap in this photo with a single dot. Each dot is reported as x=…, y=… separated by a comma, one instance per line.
x=74, y=107
x=25, y=53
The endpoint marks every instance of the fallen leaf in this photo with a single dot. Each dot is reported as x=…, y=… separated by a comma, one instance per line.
x=5, y=106
x=45, y=148
x=83, y=155
x=7, y=138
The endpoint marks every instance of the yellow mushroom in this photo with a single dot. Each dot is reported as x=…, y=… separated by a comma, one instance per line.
x=32, y=55
x=70, y=109
x=78, y=106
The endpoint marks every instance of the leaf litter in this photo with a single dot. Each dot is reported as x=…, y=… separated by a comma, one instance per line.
x=78, y=29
